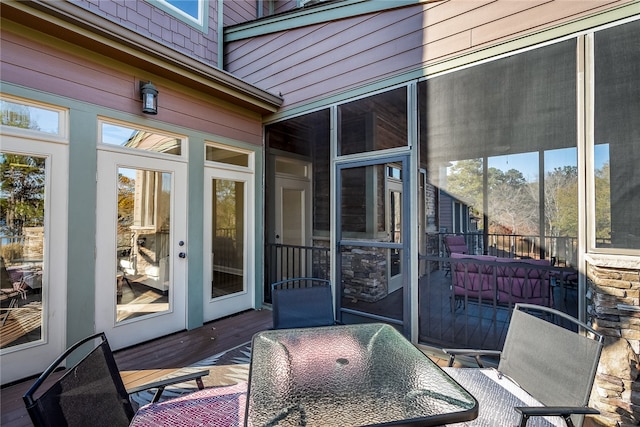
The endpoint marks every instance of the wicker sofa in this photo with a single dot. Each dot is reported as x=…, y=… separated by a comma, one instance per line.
x=503, y=281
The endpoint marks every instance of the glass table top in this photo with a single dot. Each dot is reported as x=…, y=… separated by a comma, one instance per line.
x=349, y=375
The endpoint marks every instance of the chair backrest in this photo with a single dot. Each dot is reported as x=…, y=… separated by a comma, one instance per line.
x=555, y=365
x=456, y=244
x=90, y=393
x=302, y=302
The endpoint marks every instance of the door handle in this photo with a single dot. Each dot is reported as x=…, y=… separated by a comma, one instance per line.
x=182, y=255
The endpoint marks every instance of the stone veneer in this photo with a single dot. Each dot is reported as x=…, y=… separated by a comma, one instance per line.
x=364, y=273
x=613, y=307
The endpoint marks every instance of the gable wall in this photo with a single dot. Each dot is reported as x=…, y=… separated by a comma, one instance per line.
x=319, y=60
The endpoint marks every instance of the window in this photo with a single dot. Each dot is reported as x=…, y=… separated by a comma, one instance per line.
x=193, y=12
x=215, y=153
x=500, y=140
x=21, y=114
x=616, y=153
x=139, y=139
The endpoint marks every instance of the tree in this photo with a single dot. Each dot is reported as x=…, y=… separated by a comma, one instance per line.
x=511, y=205
x=22, y=192
x=465, y=182
x=603, y=202
x=561, y=201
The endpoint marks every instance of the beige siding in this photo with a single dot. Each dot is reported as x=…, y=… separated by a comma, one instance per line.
x=308, y=63
x=114, y=86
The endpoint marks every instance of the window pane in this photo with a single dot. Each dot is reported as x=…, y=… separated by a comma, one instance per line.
x=363, y=202
x=493, y=134
x=617, y=137
x=228, y=238
x=22, y=207
x=143, y=276
x=30, y=117
x=140, y=139
x=305, y=139
x=498, y=143
x=221, y=155
x=374, y=123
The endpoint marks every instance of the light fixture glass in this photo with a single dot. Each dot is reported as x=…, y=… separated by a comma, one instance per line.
x=149, y=96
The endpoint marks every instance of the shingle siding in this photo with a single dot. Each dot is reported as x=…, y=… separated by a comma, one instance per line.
x=152, y=22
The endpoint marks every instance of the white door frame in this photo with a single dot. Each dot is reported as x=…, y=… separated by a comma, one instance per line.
x=31, y=358
x=393, y=186
x=129, y=332
x=215, y=308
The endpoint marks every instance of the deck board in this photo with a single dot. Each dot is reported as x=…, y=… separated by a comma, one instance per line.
x=167, y=353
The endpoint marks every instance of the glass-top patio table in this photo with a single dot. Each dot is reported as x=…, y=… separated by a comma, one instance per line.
x=349, y=375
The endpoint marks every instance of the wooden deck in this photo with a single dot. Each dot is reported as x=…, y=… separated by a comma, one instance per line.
x=173, y=351
x=473, y=326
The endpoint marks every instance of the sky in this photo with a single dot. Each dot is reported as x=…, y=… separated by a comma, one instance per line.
x=527, y=163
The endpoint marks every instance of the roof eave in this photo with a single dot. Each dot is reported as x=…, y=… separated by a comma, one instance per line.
x=73, y=24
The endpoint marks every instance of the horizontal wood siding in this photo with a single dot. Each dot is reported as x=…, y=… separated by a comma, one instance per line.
x=152, y=22
x=238, y=12
x=308, y=63
x=285, y=5
x=114, y=86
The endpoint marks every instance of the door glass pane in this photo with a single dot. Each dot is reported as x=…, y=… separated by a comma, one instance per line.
x=371, y=219
x=228, y=237
x=395, y=229
x=143, y=276
x=22, y=213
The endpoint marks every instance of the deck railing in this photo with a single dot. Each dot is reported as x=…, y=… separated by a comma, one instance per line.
x=467, y=318
x=559, y=250
x=289, y=261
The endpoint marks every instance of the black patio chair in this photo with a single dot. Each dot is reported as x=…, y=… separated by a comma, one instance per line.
x=554, y=365
x=90, y=393
x=302, y=302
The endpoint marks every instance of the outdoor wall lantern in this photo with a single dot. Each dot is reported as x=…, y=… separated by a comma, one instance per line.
x=149, y=96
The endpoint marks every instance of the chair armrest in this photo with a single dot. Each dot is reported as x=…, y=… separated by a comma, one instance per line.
x=565, y=412
x=161, y=384
x=477, y=354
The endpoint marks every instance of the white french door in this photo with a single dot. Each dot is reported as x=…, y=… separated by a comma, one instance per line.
x=34, y=254
x=141, y=264
x=228, y=244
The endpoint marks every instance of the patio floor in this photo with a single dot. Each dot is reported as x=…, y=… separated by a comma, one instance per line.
x=188, y=347
x=173, y=351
